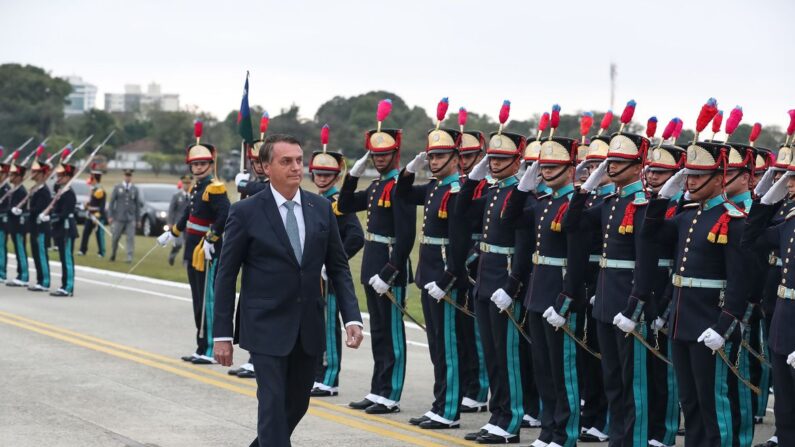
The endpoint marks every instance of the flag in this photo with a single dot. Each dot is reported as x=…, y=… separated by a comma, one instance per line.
x=244, y=117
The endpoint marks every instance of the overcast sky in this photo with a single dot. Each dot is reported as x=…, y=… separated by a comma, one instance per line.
x=671, y=55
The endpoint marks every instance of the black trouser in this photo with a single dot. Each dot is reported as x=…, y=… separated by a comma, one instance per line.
x=66, y=251
x=501, y=348
x=663, y=394
x=38, y=249
x=759, y=372
x=442, y=321
x=88, y=227
x=283, y=385
x=203, y=305
x=474, y=377
x=704, y=381
x=592, y=390
x=784, y=404
x=532, y=401
x=388, y=339
x=328, y=365
x=3, y=251
x=742, y=398
x=555, y=369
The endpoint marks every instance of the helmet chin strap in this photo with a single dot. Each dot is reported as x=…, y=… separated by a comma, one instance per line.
x=389, y=165
x=616, y=174
x=470, y=166
x=331, y=182
x=513, y=159
x=449, y=159
x=711, y=176
x=554, y=177
x=202, y=174
x=739, y=173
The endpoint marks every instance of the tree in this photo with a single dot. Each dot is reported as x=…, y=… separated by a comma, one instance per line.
x=157, y=161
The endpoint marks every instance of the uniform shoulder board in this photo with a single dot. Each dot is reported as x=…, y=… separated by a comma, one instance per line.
x=790, y=215
x=335, y=208
x=544, y=196
x=98, y=193
x=690, y=205
x=733, y=211
x=640, y=198
x=213, y=188
x=455, y=187
x=609, y=196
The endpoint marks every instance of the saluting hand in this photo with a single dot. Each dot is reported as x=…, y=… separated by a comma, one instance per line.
x=361, y=164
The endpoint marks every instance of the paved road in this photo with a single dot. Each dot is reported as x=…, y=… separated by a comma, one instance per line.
x=103, y=369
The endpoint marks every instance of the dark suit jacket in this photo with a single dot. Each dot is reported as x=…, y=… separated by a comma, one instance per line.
x=280, y=299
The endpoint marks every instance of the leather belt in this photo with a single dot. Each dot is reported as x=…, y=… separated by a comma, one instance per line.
x=488, y=248
x=372, y=237
x=616, y=263
x=665, y=263
x=786, y=293
x=430, y=240
x=594, y=258
x=701, y=283
x=548, y=260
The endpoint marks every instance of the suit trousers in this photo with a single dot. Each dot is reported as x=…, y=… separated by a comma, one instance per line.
x=283, y=385
x=127, y=228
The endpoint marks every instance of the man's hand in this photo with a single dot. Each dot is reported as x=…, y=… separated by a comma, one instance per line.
x=323, y=273
x=480, y=170
x=530, y=179
x=673, y=185
x=791, y=359
x=554, y=318
x=765, y=183
x=361, y=164
x=378, y=284
x=501, y=299
x=593, y=180
x=658, y=324
x=165, y=238
x=43, y=218
x=582, y=168
x=354, y=336
x=242, y=178
x=624, y=323
x=209, y=250
x=16, y=211
x=223, y=352
x=777, y=192
x=712, y=339
x=434, y=291
x=417, y=163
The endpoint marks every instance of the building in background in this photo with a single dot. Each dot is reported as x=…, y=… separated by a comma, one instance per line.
x=135, y=100
x=83, y=96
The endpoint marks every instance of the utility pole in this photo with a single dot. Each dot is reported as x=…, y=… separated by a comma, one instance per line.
x=613, y=73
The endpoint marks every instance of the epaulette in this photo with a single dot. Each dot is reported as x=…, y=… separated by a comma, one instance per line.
x=335, y=208
x=790, y=214
x=640, y=199
x=215, y=187
x=733, y=211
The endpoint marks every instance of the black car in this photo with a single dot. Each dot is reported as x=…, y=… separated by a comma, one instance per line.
x=156, y=198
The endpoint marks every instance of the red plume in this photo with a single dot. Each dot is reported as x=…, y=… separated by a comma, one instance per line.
x=39, y=151
x=65, y=153
x=543, y=123
x=384, y=107
x=734, y=120
x=15, y=155
x=669, y=129
x=629, y=111
x=441, y=109
x=717, y=121
x=651, y=127
x=708, y=111
x=791, y=127
x=198, y=127
x=554, y=119
x=606, y=120
x=462, y=116
x=678, y=130
x=586, y=121
x=324, y=135
x=505, y=111
x=1, y=151
x=263, y=122
x=755, y=131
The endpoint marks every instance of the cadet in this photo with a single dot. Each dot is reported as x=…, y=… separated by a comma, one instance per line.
x=96, y=215
x=17, y=222
x=444, y=244
x=389, y=237
x=37, y=200
x=5, y=166
x=64, y=225
x=251, y=183
x=203, y=222
x=125, y=208
x=176, y=208
x=497, y=304
x=324, y=168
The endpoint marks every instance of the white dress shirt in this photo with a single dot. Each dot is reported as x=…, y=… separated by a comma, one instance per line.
x=297, y=210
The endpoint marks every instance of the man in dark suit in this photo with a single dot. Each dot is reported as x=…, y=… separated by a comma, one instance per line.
x=282, y=236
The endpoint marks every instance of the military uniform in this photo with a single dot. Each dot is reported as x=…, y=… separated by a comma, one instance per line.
x=203, y=223
x=64, y=226
x=95, y=210
x=709, y=293
x=5, y=206
x=17, y=227
x=255, y=183
x=38, y=201
x=388, y=242
x=176, y=208
x=125, y=209
x=497, y=270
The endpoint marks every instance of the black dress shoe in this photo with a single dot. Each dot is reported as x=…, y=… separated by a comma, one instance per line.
x=362, y=404
x=490, y=438
x=60, y=292
x=478, y=409
x=188, y=358
x=201, y=361
x=381, y=409
x=436, y=425
x=587, y=437
x=419, y=420
x=768, y=443
x=246, y=374
x=680, y=432
x=758, y=420
x=231, y=372
x=317, y=392
x=476, y=435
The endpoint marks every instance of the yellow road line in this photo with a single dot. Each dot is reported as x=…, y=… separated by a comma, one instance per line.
x=204, y=370
x=318, y=408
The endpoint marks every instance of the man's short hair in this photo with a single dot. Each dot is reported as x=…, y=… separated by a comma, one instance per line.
x=266, y=151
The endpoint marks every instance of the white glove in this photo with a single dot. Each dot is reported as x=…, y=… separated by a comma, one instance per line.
x=592, y=300
x=242, y=178
x=673, y=185
x=209, y=250
x=323, y=273
x=624, y=323
x=417, y=163
x=711, y=339
x=361, y=164
x=43, y=218
x=434, y=291
x=553, y=317
x=530, y=179
x=581, y=169
x=791, y=359
x=501, y=299
x=765, y=183
x=16, y=211
x=480, y=170
x=595, y=178
x=378, y=284
x=777, y=192
x=165, y=238
x=687, y=195
x=658, y=324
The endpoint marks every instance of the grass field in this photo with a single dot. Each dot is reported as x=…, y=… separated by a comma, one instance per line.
x=156, y=264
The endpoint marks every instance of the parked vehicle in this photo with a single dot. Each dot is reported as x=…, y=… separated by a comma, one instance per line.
x=156, y=197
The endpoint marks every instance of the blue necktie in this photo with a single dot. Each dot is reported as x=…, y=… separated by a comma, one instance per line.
x=291, y=225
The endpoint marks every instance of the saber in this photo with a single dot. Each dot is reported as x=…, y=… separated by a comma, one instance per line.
x=736, y=372
x=391, y=297
x=449, y=300
x=27, y=158
x=755, y=353
x=204, y=294
x=136, y=265
x=643, y=341
x=52, y=171
x=104, y=228
x=567, y=330
x=517, y=325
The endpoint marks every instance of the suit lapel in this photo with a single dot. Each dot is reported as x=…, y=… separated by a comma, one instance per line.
x=275, y=219
x=310, y=222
